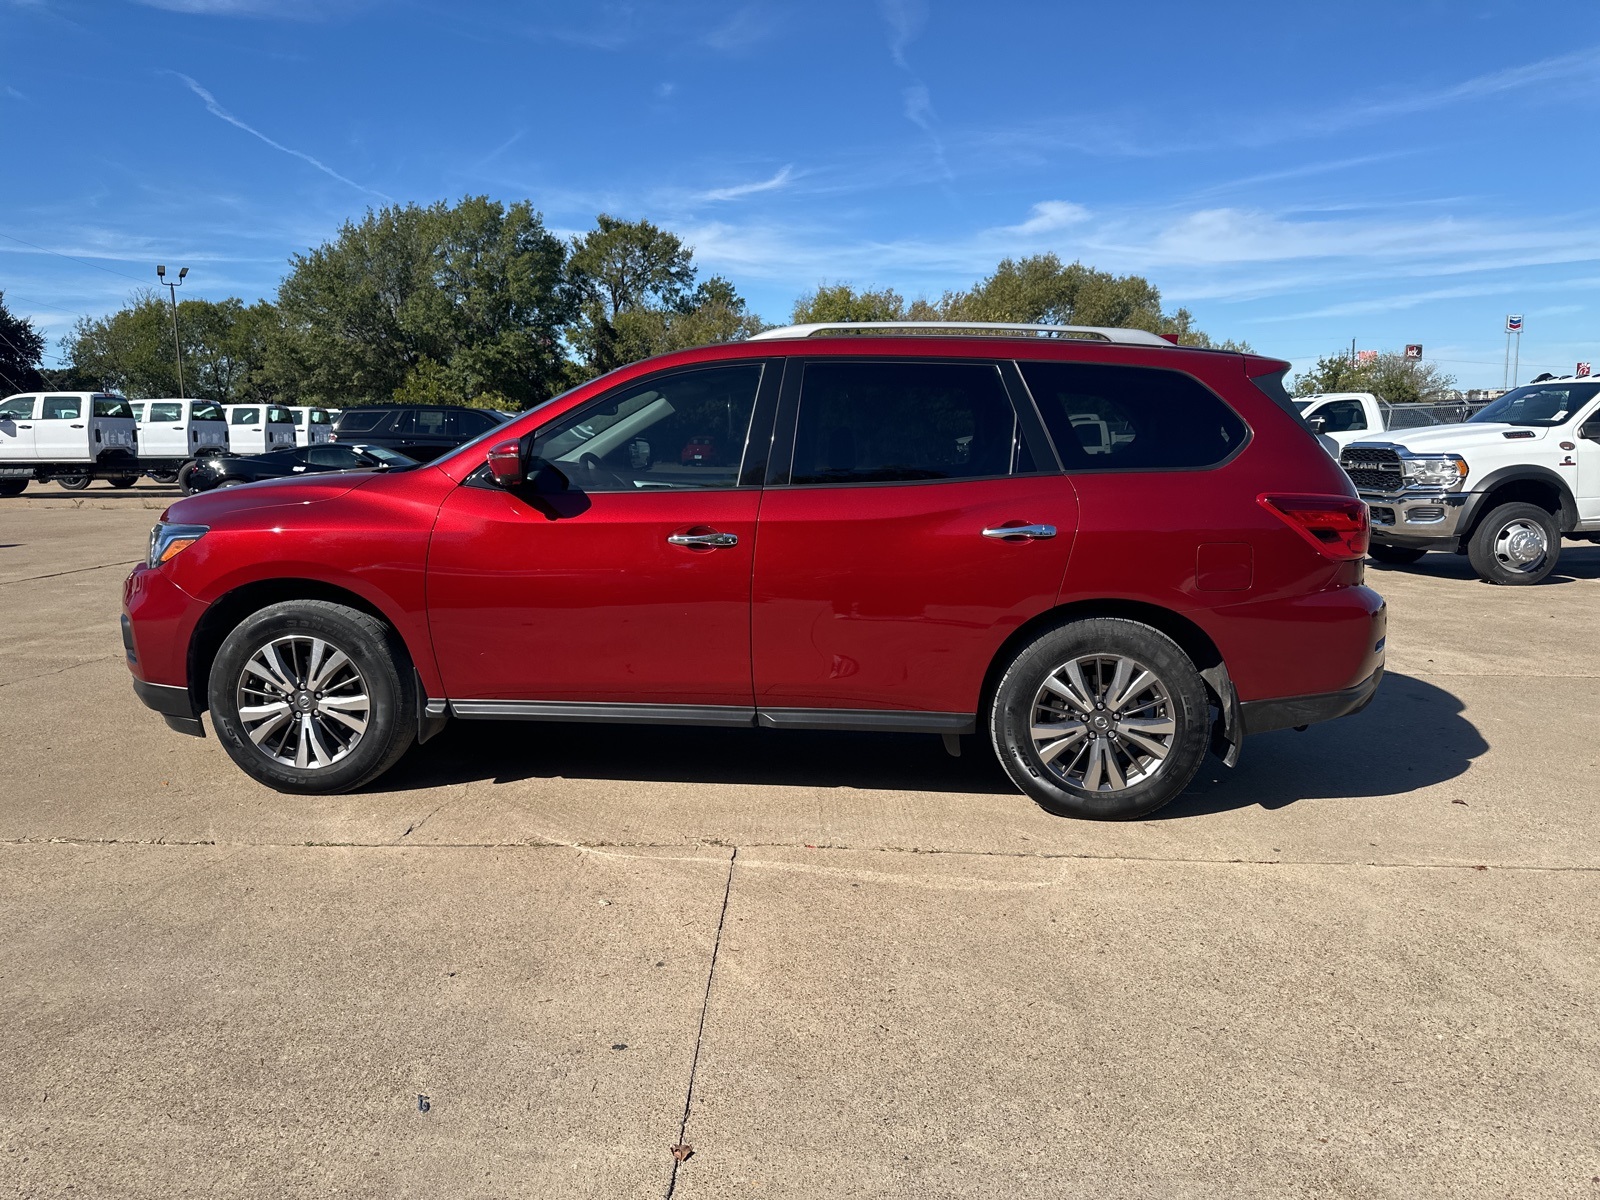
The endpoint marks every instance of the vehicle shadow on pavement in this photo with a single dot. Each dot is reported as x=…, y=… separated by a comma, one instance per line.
x=509, y=751
x=1579, y=560
x=1413, y=735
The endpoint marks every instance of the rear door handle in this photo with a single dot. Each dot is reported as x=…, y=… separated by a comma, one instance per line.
x=76, y=427
x=1025, y=533
x=707, y=541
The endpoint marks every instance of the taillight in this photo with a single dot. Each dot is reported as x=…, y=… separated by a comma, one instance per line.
x=1335, y=525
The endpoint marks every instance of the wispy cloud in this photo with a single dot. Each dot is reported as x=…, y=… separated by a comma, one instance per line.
x=1048, y=216
x=221, y=113
x=739, y=190
x=14, y=94
x=905, y=19
x=749, y=26
x=298, y=10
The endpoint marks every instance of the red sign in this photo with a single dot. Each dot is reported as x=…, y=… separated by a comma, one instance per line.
x=1583, y=369
x=1366, y=356
x=1413, y=350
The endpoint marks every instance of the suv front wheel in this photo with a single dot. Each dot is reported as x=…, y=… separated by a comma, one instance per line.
x=310, y=696
x=1103, y=718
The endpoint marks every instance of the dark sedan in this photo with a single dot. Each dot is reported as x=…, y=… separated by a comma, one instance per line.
x=226, y=470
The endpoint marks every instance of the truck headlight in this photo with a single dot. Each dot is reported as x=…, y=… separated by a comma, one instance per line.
x=169, y=541
x=1447, y=471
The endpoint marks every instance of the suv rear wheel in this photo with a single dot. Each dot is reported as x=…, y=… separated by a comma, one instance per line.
x=1103, y=718
x=1515, y=544
x=310, y=696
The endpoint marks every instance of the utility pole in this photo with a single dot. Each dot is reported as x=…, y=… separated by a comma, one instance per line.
x=1352, y=352
x=172, y=294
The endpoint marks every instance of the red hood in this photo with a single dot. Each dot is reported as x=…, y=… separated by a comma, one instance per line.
x=209, y=507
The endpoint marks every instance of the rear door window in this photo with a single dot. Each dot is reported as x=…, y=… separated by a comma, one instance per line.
x=204, y=410
x=245, y=416
x=277, y=415
x=891, y=422
x=62, y=408
x=359, y=422
x=1106, y=418
x=166, y=412
x=112, y=406
x=428, y=422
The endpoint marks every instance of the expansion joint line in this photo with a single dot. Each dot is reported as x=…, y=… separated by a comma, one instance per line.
x=700, y=1033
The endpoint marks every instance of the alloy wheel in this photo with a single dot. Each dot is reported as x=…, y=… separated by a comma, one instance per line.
x=1103, y=722
x=303, y=702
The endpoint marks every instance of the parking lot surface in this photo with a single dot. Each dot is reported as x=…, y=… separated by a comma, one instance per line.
x=533, y=958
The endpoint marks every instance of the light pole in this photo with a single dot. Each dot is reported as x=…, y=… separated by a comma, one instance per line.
x=172, y=294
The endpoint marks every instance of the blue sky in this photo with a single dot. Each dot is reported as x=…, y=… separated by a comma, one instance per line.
x=1295, y=174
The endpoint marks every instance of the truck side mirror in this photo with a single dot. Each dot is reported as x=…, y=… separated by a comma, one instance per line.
x=1317, y=424
x=1589, y=431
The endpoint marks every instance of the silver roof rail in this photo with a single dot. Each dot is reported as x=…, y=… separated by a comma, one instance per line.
x=1132, y=337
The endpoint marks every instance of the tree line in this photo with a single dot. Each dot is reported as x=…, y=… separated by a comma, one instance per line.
x=1393, y=378
x=479, y=303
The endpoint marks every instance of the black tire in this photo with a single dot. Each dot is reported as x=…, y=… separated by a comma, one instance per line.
x=167, y=477
x=1397, y=556
x=12, y=487
x=123, y=481
x=186, y=479
x=385, y=678
x=1499, y=544
x=73, y=483
x=1015, y=710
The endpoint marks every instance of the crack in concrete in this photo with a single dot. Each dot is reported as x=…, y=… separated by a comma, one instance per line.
x=601, y=847
x=88, y=662
x=75, y=571
x=700, y=1033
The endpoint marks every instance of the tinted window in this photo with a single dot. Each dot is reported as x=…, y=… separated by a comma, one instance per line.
x=1341, y=416
x=277, y=415
x=245, y=416
x=333, y=456
x=359, y=421
x=1543, y=404
x=280, y=458
x=62, y=408
x=473, y=423
x=319, y=416
x=112, y=406
x=166, y=412
x=427, y=422
x=204, y=410
x=1132, y=418
x=17, y=406
x=877, y=422
x=685, y=430
x=299, y=417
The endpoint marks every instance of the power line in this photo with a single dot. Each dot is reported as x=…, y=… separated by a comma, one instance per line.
x=70, y=258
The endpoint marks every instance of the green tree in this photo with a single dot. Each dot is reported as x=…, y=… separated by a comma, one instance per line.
x=21, y=350
x=131, y=350
x=468, y=302
x=1035, y=290
x=637, y=296
x=1392, y=378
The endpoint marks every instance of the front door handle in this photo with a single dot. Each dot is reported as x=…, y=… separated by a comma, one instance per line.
x=706, y=541
x=1026, y=533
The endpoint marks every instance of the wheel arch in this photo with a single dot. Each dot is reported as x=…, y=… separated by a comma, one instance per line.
x=224, y=615
x=1191, y=638
x=1526, y=484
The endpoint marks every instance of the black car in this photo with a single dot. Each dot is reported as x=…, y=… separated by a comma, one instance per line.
x=225, y=470
x=421, y=431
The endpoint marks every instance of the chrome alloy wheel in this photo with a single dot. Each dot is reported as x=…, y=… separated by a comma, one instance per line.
x=1103, y=722
x=303, y=702
x=1521, y=546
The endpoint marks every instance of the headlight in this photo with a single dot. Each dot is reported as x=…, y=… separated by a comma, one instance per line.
x=1447, y=471
x=169, y=541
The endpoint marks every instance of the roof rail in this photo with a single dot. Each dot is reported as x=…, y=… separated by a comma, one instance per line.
x=1133, y=337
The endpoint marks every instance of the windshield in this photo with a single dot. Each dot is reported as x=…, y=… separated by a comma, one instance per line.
x=1538, y=404
x=204, y=410
x=112, y=406
x=385, y=455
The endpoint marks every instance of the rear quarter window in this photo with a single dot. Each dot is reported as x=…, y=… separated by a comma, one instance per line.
x=358, y=422
x=1109, y=418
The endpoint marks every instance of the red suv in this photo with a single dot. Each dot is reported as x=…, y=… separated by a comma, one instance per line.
x=1106, y=552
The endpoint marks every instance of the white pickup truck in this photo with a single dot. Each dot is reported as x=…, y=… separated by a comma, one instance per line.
x=1503, y=487
x=1347, y=417
x=67, y=437
x=174, y=431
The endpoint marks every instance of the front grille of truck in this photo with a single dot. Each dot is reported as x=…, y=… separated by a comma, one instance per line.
x=1425, y=514
x=1373, y=468
x=1382, y=514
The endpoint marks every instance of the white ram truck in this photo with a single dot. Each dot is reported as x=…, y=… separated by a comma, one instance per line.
x=1503, y=487
x=69, y=438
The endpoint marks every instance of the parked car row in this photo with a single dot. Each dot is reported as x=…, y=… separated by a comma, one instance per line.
x=70, y=438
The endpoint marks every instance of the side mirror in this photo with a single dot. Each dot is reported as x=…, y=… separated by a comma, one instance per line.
x=1589, y=431
x=1317, y=424
x=505, y=463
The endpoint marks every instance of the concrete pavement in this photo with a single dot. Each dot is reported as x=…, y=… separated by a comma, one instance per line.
x=1360, y=964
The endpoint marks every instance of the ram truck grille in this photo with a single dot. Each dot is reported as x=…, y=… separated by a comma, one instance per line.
x=1373, y=469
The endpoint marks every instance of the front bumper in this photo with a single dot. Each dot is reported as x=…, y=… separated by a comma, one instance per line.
x=1417, y=519
x=174, y=704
